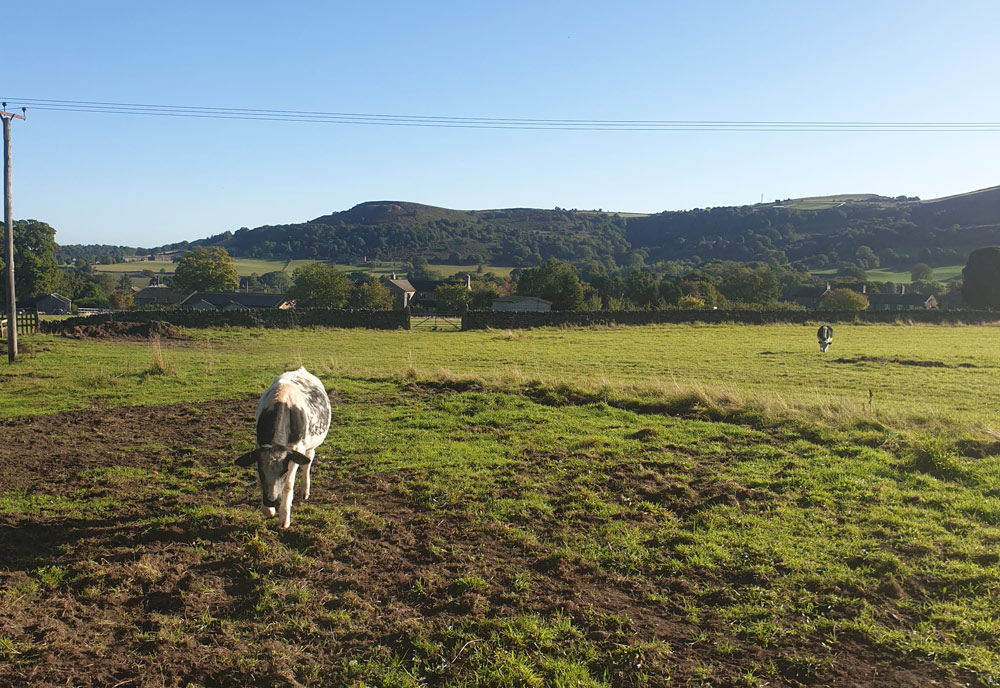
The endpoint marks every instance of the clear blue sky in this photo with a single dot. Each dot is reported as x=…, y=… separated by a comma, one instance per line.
x=120, y=179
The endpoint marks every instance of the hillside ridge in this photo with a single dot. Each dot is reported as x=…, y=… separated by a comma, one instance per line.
x=818, y=232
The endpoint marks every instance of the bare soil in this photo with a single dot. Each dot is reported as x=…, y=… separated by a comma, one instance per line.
x=125, y=331
x=902, y=361
x=178, y=601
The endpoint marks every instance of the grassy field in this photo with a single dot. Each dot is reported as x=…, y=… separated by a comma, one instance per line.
x=244, y=266
x=668, y=505
x=940, y=274
x=924, y=375
x=249, y=266
x=824, y=202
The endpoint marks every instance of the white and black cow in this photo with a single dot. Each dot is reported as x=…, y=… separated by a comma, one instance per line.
x=825, y=337
x=293, y=418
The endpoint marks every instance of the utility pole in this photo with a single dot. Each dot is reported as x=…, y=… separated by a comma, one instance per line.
x=8, y=221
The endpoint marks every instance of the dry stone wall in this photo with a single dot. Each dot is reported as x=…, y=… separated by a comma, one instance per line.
x=512, y=320
x=263, y=317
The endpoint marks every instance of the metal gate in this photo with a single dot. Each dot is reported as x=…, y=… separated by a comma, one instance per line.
x=436, y=322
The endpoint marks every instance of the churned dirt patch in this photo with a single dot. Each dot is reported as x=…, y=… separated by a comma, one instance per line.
x=902, y=361
x=142, y=586
x=117, y=330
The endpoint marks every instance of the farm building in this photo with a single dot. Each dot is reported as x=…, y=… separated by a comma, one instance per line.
x=52, y=303
x=809, y=296
x=157, y=296
x=402, y=293
x=522, y=303
x=232, y=301
x=419, y=294
x=901, y=302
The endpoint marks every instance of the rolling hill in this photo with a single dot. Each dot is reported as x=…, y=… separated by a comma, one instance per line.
x=820, y=231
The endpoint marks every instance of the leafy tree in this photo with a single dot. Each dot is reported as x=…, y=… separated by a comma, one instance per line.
x=482, y=296
x=921, y=271
x=451, y=298
x=688, y=302
x=853, y=272
x=670, y=291
x=843, y=300
x=277, y=281
x=927, y=287
x=252, y=283
x=866, y=258
x=319, y=286
x=751, y=286
x=69, y=283
x=124, y=282
x=981, y=288
x=642, y=289
x=35, y=267
x=420, y=270
x=553, y=281
x=373, y=295
x=121, y=299
x=205, y=269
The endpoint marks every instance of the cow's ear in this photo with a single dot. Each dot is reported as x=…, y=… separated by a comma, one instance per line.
x=300, y=459
x=247, y=459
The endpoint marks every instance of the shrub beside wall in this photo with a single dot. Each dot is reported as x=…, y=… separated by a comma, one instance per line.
x=264, y=317
x=511, y=320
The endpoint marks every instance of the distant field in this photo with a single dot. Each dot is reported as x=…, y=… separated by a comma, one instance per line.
x=244, y=266
x=823, y=202
x=940, y=274
x=248, y=266
x=611, y=212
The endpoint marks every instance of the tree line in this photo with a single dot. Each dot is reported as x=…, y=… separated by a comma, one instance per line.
x=580, y=285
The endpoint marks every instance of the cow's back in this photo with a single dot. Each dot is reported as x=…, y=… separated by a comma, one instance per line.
x=294, y=411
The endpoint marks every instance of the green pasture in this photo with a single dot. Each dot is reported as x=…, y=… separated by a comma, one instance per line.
x=785, y=510
x=902, y=276
x=824, y=202
x=926, y=375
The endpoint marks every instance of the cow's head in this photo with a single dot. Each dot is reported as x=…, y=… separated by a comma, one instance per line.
x=272, y=462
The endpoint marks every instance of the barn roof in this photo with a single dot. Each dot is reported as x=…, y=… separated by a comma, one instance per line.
x=402, y=285
x=899, y=299
x=513, y=298
x=223, y=299
x=159, y=295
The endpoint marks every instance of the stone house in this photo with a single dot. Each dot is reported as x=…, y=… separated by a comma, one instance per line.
x=901, y=301
x=402, y=293
x=419, y=294
x=808, y=296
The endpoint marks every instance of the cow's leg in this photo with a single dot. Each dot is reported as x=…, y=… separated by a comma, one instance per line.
x=311, y=454
x=269, y=511
x=287, y=492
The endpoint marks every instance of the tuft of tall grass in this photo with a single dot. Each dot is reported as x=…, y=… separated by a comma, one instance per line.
x=159, y=366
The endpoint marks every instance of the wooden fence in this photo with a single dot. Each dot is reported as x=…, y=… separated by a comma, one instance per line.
x=27, y=323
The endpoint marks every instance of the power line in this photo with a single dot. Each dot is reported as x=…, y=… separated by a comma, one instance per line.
x=454, y=122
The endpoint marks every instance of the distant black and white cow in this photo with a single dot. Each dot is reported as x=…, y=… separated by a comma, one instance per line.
x=293, y=418
x=825, y=337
